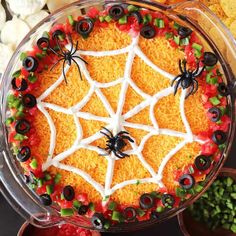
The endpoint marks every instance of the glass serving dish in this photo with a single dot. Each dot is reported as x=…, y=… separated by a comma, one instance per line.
x=214, y=35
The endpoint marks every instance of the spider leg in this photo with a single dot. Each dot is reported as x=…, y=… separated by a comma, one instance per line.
x=123, y=132
x=80, y=74
x=173, y=81
x=190, y=92
x=108, y=131
x=185, y=65
x=122, y=154
x=81, y=59
x=195, y=88
x=105, y=134
x=200, y=72
x=56, y=64
x=71, y=42
x=119, y=154
x=59, y=45
x=58, y=54
x=64, y=73
x=127, y=137
x=197, y=69
x=180, y=66
x=177, y=86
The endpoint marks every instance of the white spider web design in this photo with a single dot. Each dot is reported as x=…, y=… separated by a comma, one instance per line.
x=116, y=121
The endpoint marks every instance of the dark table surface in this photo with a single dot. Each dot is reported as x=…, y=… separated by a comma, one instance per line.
x=10, y=221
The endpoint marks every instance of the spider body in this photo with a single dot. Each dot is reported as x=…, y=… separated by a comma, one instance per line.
x=187, y=78
x=67, y=56
x=115, y=144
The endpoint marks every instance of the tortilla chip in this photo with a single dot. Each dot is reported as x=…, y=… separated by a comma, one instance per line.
x=217, y=9
x=228, y=21
x=229, y=7
x=209, y=2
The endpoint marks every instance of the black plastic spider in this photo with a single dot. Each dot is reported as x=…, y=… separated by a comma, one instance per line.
x=116, y=143
x=68, y=55
x=187, y=78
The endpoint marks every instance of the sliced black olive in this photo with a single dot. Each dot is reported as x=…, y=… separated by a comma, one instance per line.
x=184, y=31
x=45, y=199
x=146, y=201
x=216, y=112
x=154, y=215
x=43, y=43
x=24, y=154
x=130, y=213
x=29, y=100
x=210, y=59
x=168, y=200
x=186, y=181
x=219, y=137
x=116, y=12
x=84, y=27
x=26, y=179
x=98, y=220
x=23, y=86
x=57, y=33
x=30, y=64
x=83, y=209
x=202, y=162
x=148, y=32
x=137, y=16
x=223, y=89
x=68, y=193
x=22, y=126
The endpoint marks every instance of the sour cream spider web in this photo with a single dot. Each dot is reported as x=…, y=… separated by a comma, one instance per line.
x=116, y=120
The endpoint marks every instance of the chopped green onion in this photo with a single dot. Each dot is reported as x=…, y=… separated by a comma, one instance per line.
x=47, y=176
x=57, y=178
x=132, y=8
x=177, y=40
x=147, y=19
x=196, y=46
x=112, y=206
x=117, y=216
x=197, y=53
x=32, y=78
x=46, y=34
x=191, y=170
x=101, y=18
x=71, y=20
x=180, y=192
x=184, y=41
x=20, y=137
x=176, y=25
x=49, y=189
x=159, y=23
x=107, y=225
x=91, y=206
x=23, y=55
x=214, y=101
x=39, y=55
x=40, y=182
x=76, y=204
x=160, y=209
x=210, y=80
x=16, y=74
x=9, y=121
x=198, y=188
x=123, y=20
x=34, y=164
x=140, y=212
x=169, y=35
x=67, y=212
x=108, y=19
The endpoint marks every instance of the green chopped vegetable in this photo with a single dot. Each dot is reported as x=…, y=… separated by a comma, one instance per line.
x=108, y=19
x=91, y=206
x=9, y=121
x=71, y=20
x=176, y=25
x=57, y=178
x=159, y=23
x=214, y=101
x=140, y=212
x=67, y=212
x=76, y=204
x=101, y=18
x=177, y=40
x=47, y=176
x=184, y=41
x=216, y=208
x=196, y=46
x=147, y=19
x=123, y=20
x=107, y=225
x=117, y=216
x=32, y=78
x=160, y=209
x=16, y=74
x=112, y=206
x=169, y=35
x=211, y=80
x=132, y=8
x=20, y=137
x=34, y=164
x=49, y=189
x=23, y=55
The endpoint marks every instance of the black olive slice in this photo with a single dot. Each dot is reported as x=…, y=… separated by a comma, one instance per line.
x=43, y=43
x=168, y=200
x=216, y=112
x=186, y=181
x=116, y=12
x=45, y=199
x=130, y=213
x=209, y=59
x=24, y=154
x=137, y=16
x=219, y=137
x=29, y=100
x=68, y=193
x=22, y=126
x=154, y=215
x=98, y=220
x=202, y=162
x=30, y=64
x=23, y=86
x=148, y=31
x=223, y=89
x=146, y=201
x=57, y=33
x=184, y=31
x=84, y=27
x=26, y=179
x=83, y=209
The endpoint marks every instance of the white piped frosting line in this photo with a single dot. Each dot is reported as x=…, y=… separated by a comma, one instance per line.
x=116, y=121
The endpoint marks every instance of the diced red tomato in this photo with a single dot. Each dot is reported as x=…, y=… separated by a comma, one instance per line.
x=93, y=12
x=209, y=148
